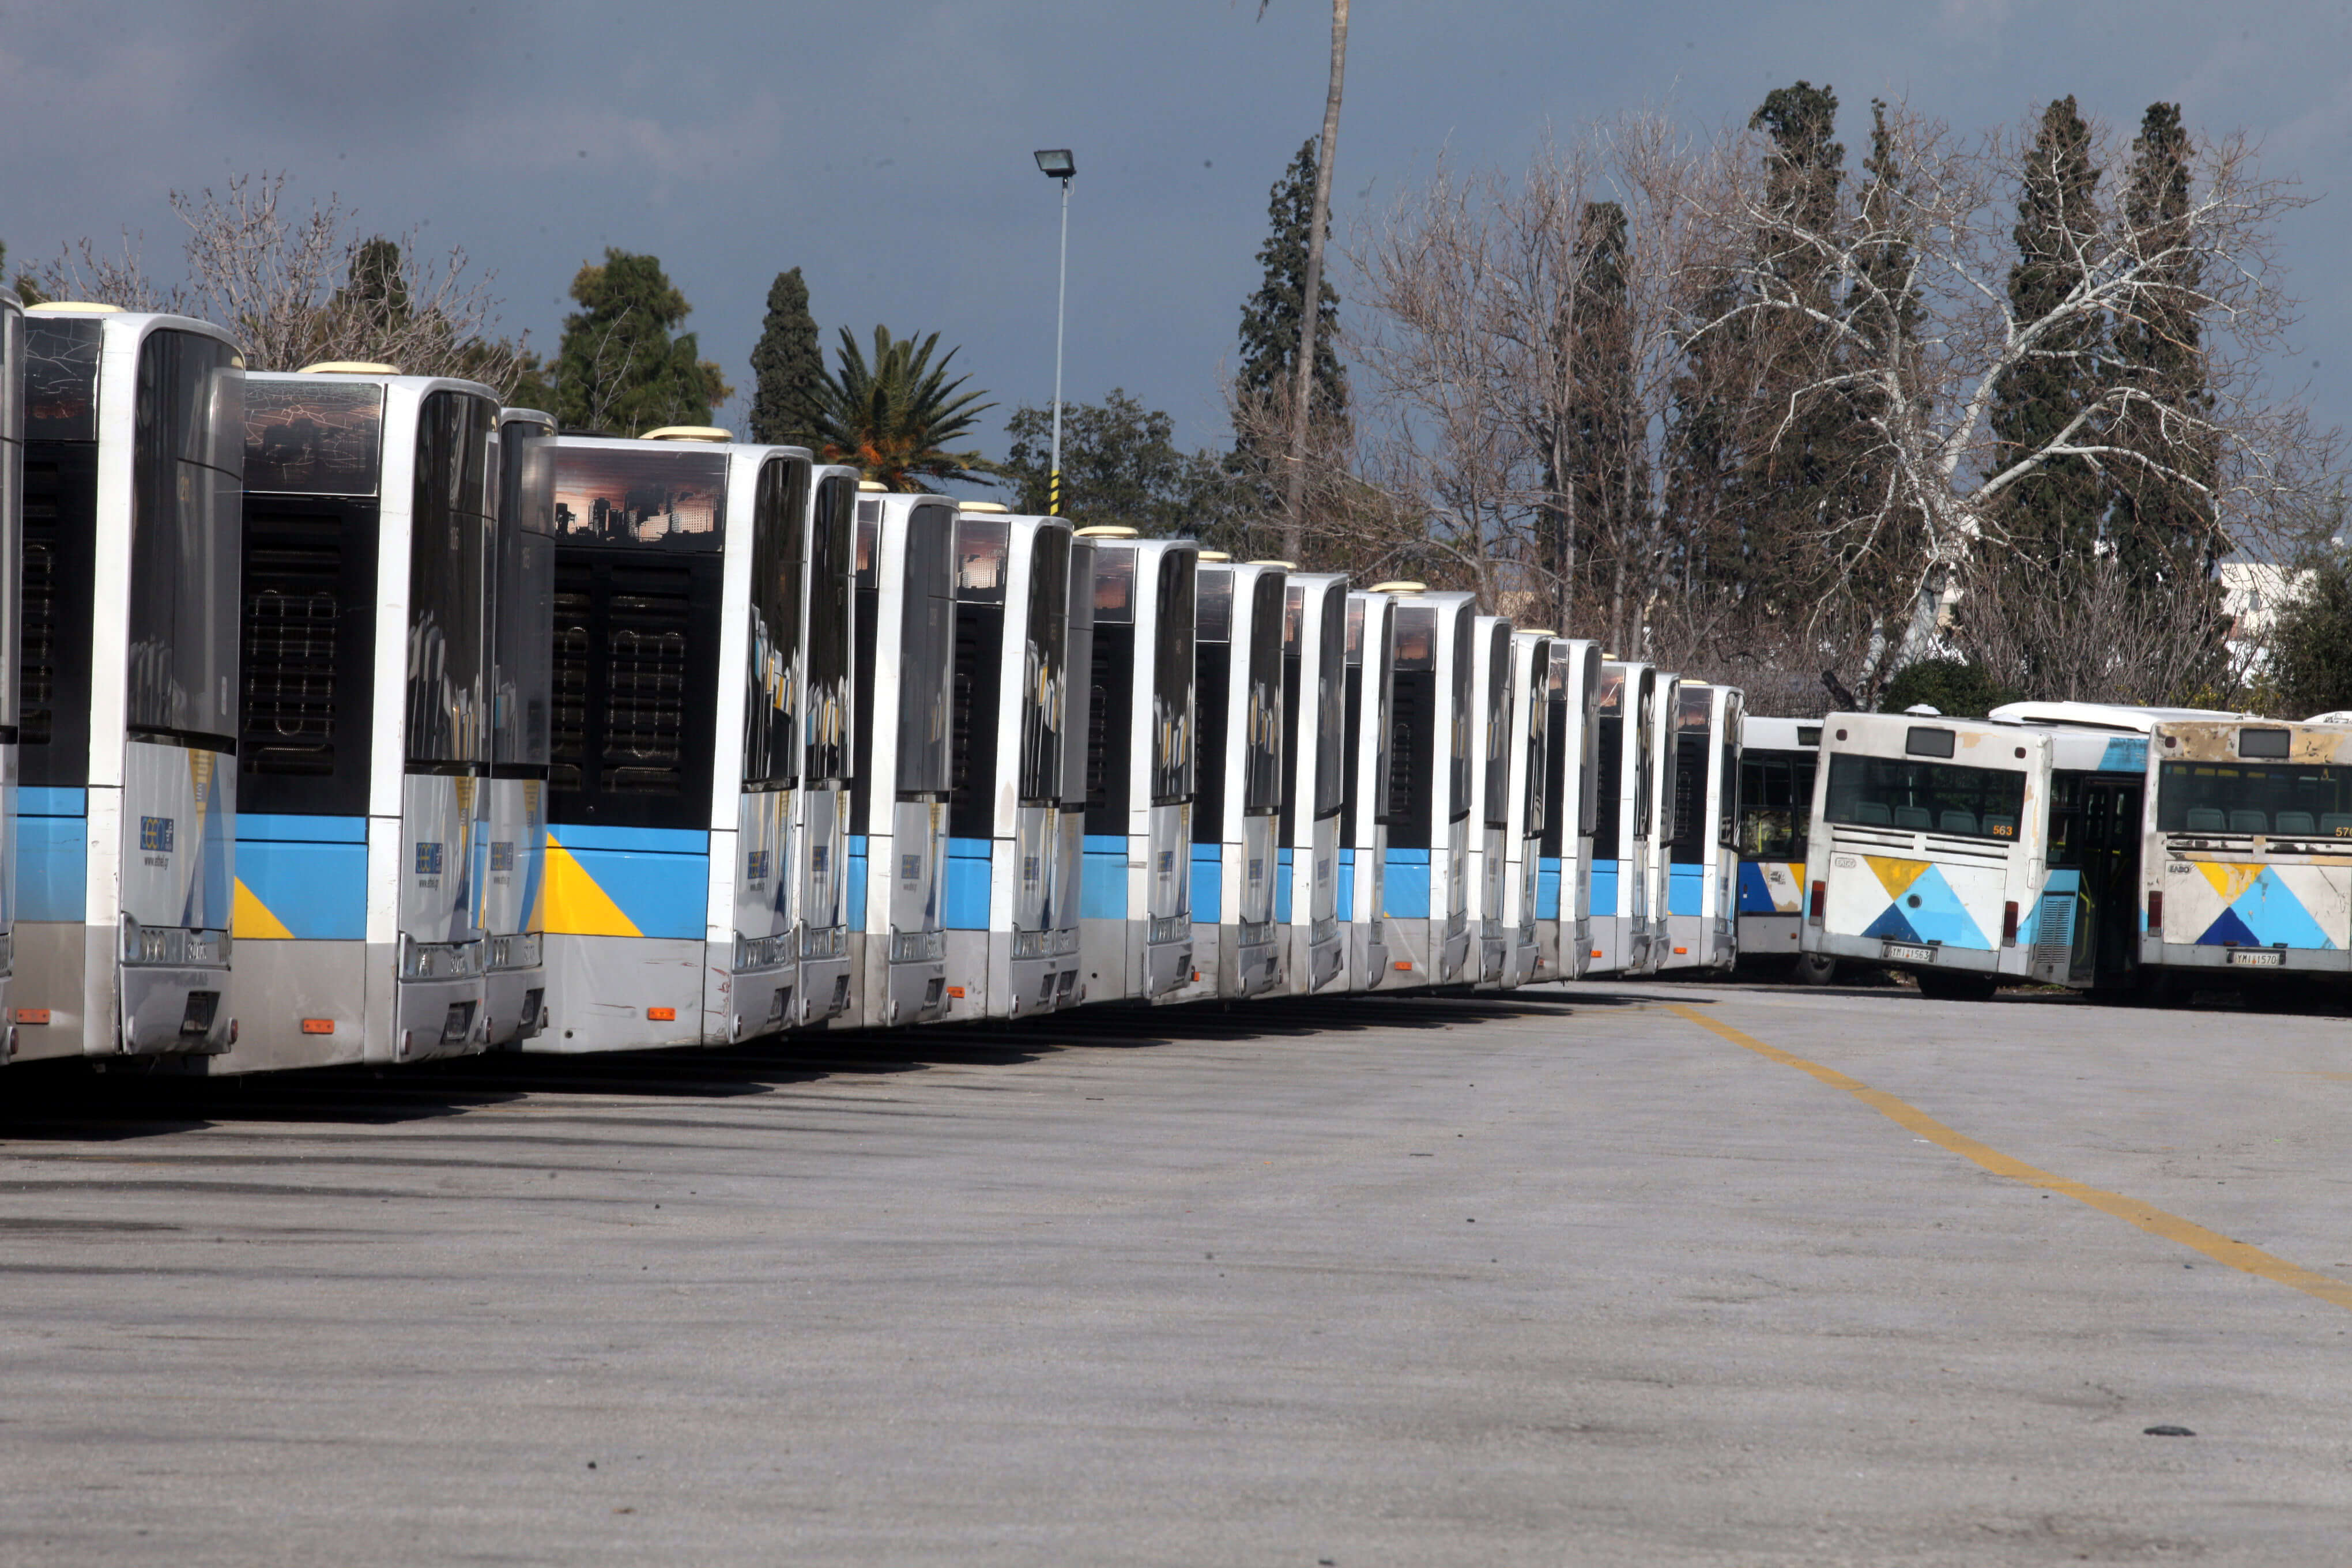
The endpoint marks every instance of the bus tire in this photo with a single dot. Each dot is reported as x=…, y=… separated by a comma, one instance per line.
x=1815, y=969
x=1943, y=985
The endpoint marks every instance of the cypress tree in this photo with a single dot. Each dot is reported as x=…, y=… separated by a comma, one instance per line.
x=1271, y=318
x=1886, y=312
x=2053, y=516
x=787, y=367
x=618, y=368
x=1600, y=468
x=2164, y=529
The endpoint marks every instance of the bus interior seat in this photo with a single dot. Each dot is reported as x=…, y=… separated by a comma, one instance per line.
x=2336, y=823
x=2000, y=826
x=2206, y=819
x=1872, y=814
x=2294, y=821
x=1958, y=822
x=1914, y=817
x=2250, y=821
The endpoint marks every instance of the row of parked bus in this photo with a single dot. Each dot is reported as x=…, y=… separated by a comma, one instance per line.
x=2128, y=852
x=350, y=717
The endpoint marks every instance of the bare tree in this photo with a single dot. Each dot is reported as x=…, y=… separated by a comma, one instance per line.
x=1925, y=395
x=296, y=289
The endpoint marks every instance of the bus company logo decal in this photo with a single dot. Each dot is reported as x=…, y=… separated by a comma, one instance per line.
x=502, y=855
x=2267, y=906
x=156, y=834
x=757, y=865
x=1923, y=907
x=428, y=859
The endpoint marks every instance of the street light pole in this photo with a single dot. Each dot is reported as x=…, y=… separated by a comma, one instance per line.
x=1057, y=164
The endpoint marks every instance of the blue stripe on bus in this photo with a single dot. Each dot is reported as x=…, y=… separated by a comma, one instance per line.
x=1345, y=895
x=289, y=828
x=639, y=840
x=963, y=900
x=1687, y=889
x=2124, y=754
x=1405, y=885
x=1755, y=892
x=1208, y=883
x=52, y=878
x=856, y=881
x=317, y=889
x=1604, y=886
x=1282, y=890
x=1548, y=887
x=1102, y=878
x=43, y=801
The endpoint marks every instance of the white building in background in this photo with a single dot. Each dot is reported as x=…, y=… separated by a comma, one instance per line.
x=2252, y=593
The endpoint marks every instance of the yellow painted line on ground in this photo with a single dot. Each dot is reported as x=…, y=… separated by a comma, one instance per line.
x=2154, y=1221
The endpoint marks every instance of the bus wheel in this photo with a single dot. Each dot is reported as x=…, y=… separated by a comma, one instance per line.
x=1943, y=985
x=1815, y=969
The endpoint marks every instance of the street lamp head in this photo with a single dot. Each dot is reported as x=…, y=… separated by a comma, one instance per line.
x=1056, y=162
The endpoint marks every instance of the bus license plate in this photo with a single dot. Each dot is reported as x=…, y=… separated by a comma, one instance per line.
x=2257, y=957
x=1910, y=955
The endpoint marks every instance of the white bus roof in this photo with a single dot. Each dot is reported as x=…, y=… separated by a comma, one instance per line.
x=2103, y=715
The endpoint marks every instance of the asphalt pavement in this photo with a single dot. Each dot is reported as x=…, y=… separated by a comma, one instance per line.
x=1561, y=1276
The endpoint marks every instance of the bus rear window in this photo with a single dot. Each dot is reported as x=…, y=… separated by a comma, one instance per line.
x=1913, y=796
x=2283, y=799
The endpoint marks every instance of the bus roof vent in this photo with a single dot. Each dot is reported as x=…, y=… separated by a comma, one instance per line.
x=995, y=507
x=350, y=367
x=78, y=307
x=1270, y=560
x=1108, y=531
x=1922, y=711
x=1401, y=586
x=711, y=433
x=870, y=486
x=1213, y=556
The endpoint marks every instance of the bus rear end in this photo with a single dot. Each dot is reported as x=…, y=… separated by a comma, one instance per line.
x=2247, y=866
x=1927, y=838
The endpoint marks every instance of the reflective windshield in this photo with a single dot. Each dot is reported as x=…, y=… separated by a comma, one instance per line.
x=1910, y=795
x=185, y=527
x=831, y=563
x=1042, y=682
x=1262, y=708
x=771, y=758
x=1497, y=727
x=1776, y=804
x=1172, y=681
x=1331, y=704
x=448, y=569
x=926, y=651
x=1458, y=740
x=523, y=646
x=1540, y=689
x=2285, y=798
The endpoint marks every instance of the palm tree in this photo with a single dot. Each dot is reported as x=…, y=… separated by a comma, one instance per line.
x=894, y=417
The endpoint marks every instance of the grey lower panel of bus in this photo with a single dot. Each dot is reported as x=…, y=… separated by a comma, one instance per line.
x=1524, y=959
x=1368, y=954
x=1224, y=965
x=2005, y=961
x=275, y=985
x=47, y=979
x=59, y=963
x=740, y=1004
x=1315, y=965
x=165, y=1011
x=997, y=985
x=1622, y=942
x=883, y=994
x=1769, y=936
x=1408, y=956
x=2197, y=956
x=1705, y=945
x=430, y=1017
x=513, y=1001
x=1494, y=952
x=1454, y=960
x=824, y=993
x=601, y=988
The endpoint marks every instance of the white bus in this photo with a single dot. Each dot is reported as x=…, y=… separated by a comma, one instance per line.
x=1364, y=800
x=1777, y=759
x=1626, y=732
x=12, y=561
x=1314, y=777
x=1572, y=789
x=1702, y=853
x=1237, y=803
x=135, y=455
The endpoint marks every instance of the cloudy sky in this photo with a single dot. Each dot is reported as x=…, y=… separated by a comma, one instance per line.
x=885, y=147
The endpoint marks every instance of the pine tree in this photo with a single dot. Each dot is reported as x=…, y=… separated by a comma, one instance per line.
x=618, y=368
x=787, y=368
x=2164, y=529
x=2053, y=516
x=1270, y=327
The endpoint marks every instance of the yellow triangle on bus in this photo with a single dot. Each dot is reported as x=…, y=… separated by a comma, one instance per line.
x=2230, y=877
x=574, y=904
x=1896, y=876
x=250, y=919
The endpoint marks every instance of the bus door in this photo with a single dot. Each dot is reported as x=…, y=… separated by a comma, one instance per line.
x=2084, y=933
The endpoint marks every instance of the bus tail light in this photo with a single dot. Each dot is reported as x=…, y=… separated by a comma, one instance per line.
x=1821, y=900
x=2156, y=914
x=2009, y=923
